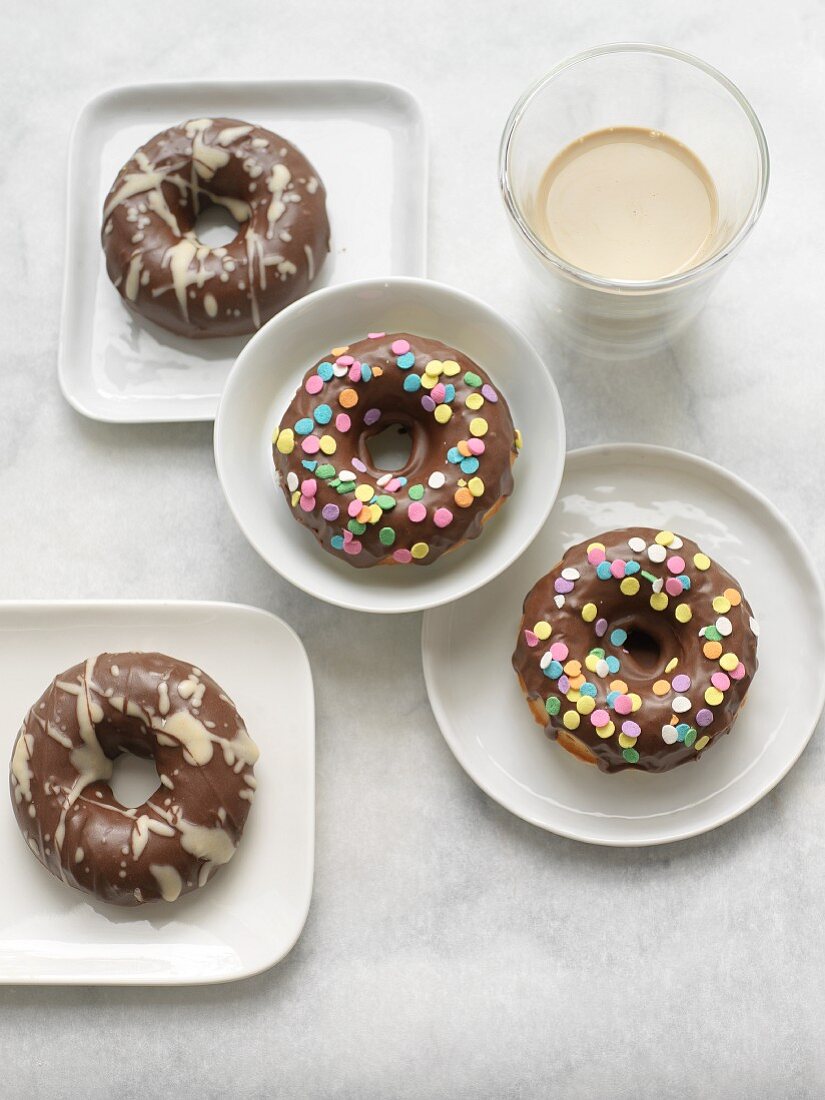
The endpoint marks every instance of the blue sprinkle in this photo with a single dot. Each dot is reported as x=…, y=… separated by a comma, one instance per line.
x=613, y=663
x=681, y=730
x=366, y=372
x=631, y=567
x=309, y=463
x=323, y=414
x=612, y=696
x=553, y=670
x=402, y=481
x=685, y=582
x=304, y=426
x=337, y=542
x=449, y=393
x=454, y=455
x=469, y=465
x=412, y=383
x=603, y=571
x=405, y=361
x=588, y=689
x=325, y=371
x=618, y=636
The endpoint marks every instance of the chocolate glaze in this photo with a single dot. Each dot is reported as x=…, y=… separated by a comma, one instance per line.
x=161, y=269
x=155, y=707
x=383, y=396
x=655, y=639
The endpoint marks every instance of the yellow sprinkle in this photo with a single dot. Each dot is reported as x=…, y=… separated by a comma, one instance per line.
x=701, y=561
x=428, y=380
x=700, y=744
x=713, y=697
x=434, y=368
x=340, y=351
x=665, y=538
x=658, y=601
x=589, y=612
x=571, y=719
x=606, y=731
x=364, y=492
x=683, y=613
x=275, y=435
x=478, y=426
x=327, y=444
x=672, y=663
x=618, y=685
x=419, y=550
x=451, y=368
x=474, y=401
x=629, y=586
x=296, y=496
x=721, y=605
x=375, y=513
x=443, y=413
x=591, y=662
x=542, y=630
x=595, y=546
x=518, y=440
x=728, y=661
x=476, y=486
x=573, y=695
x=626, y=742
x=635, y=701
x=286, y=441
x=661, y=687
x=586, y=704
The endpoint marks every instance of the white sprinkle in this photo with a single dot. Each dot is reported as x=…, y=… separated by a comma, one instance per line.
x=570, y=574
x=558, y=601
x=658, y=585
x=677, y=543
x=602, y=669
x=338, y=370
x=437, y=480
x=754, y=628
x=383, y=479
x=669, y=735
x=724, y=626
x=292, y=481
x=545, y=659
x=681, y=704
x=656, y=552
x=346, y=475
x=636, y=544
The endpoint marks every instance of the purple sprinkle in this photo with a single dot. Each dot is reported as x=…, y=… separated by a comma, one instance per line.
x=330, y=512
x=562, y=585
x=632, y=729
x=704, y=717
x=681, y=682
x=564, y=684
x=372, y=416
x=489, y=393
x=601, y=627
x=427, y=403
x=359, y=465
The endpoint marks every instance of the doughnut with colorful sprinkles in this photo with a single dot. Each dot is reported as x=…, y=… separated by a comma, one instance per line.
x=463, y=446
x=636, y=650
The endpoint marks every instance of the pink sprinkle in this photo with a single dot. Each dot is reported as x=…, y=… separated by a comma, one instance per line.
x=476, y=446
x=676, y=564
x=632, y=729
x=310, y=445
x=599, y=717
x=309, y=487
x=343, y=422
x=392, y=486
x=399, y=347
x=348, y=537
x=529, y=637
x=443, y=518
x=562, y=586
x=330, y=512
x=673, y=586
x=314, y=384
x=353, y=547
x=355, y=372
x=438, y=392
x=739, y=672
x=680, y=683
x=720, y=681
x=372, y=416
x=345, y=360
x=375, y=335
x=404, y=557
x=595, y=556
x=358, y=465
x=307, y=503
x=354, y=507
x=617, y=568
x=417, y=512
x=623, y=705
x=427, y=403
x=601, y=628
x=559, y=651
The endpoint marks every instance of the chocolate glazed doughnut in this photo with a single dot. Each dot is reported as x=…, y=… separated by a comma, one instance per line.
x=155, y=707
x=636, y=650
x=155, y=260
x=463, y=445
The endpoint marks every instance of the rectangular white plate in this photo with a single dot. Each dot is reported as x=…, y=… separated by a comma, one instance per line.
x=366, y=139
x=250, y=916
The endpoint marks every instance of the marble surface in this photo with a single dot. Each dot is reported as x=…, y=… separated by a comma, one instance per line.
x=451, y=950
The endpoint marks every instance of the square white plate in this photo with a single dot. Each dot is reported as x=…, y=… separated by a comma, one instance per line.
x=366, y=139
x=253, y=912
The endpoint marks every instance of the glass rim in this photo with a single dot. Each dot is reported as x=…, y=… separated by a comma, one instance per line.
x=631, y=285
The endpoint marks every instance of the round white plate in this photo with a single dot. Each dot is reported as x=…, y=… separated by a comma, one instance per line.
x=478, y=704
x=270, y=369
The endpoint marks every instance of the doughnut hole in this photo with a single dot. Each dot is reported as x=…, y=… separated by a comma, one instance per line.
x=400, y=443
x=652, y=640
x=134, y=780
x=390, y=448
x=214, y=226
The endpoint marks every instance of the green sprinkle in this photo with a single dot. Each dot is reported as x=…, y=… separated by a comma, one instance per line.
x=416, y=492
x=385, y=503
x=356, y=527
x=597, y=652
x=553, y=705
x=648, y=576
x=325, y=471
x=344, y=487
x=387, y=536
x=712, y=634
x=690, y=737
x=631, y=756
x=472, y=379
x=335, y=483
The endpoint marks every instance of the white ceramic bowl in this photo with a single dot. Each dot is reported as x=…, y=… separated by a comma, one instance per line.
x=269, y=370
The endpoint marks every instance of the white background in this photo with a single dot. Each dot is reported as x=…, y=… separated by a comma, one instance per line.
x=451, y=950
